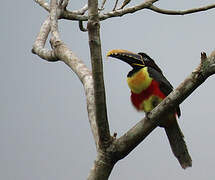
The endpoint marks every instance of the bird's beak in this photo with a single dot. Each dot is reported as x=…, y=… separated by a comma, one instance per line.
x=132, y=59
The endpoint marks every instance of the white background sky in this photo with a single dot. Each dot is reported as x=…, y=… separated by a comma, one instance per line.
x=44, y=129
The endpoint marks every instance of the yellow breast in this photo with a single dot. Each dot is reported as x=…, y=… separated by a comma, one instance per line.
x=148, y=104
x=139, y=81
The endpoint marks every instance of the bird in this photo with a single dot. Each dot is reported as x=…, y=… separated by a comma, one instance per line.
x=148, y=88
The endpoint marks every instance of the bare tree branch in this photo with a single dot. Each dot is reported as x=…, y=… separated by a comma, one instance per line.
x=81, y=26
x=43, y=4
x=115, y=13
x=125, y=2
x=38, y=47
x=63, y=3
x=102, y=168
x=78, y=15
x=81, y=11
x=121, y=12
x=189, y=11
x=115, y=5
x=79, y=68
x=73, y=15
x=61, y=52
x=103, y=4
x=103, y=164
x=93, y=27
x=55, y=37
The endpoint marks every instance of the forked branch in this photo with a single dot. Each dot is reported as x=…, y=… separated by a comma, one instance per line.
x=79, y=15
x=61, y=52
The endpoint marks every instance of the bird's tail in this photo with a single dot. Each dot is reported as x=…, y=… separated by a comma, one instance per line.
x=178, y=145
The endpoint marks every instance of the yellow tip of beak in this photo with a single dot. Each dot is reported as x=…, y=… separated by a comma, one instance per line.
x=117, y=51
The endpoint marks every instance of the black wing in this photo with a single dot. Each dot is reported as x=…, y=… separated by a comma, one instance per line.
x=165, y=85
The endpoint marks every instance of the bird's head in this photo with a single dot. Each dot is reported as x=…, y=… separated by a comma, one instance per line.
x=136, y=61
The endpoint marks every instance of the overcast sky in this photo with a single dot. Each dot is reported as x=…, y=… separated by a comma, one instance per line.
x=44, y=129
